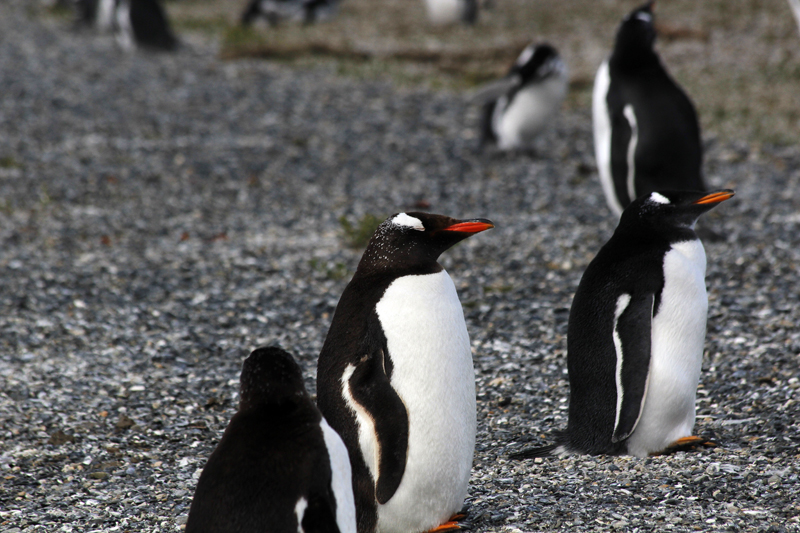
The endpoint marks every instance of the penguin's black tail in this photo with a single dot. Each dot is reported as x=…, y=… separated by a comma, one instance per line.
x=530, y=453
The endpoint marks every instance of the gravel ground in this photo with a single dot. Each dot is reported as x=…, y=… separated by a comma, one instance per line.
x=162, y=215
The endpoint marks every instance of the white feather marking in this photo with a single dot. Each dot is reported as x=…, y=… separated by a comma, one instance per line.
x=679, y=330
x=341, y=479
x=526, y=55
x=601, y=122
x=300, y=511
x=631, y=155
x=644, y=16
x=408, y=221
x=622, y=304
x=659, y=198
x=367, y=439
x=427, y=340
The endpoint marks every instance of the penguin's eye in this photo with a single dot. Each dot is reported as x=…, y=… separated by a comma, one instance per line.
x=405, y=221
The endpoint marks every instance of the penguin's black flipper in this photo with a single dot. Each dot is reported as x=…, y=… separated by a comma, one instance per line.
x=632, y=338
x=320, y=515
x=372, y=390
x=530, y=453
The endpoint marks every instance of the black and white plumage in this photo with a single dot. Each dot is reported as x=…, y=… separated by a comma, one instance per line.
x=442, y=12
x=279, y=466
x=133, y=22
x=522, y=104
x=395, y=377
x=277, y=11
x=646, y=133
x=636, y=332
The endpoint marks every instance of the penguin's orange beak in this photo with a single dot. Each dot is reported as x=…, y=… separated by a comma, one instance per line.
x=715, y=197
x=470, y=226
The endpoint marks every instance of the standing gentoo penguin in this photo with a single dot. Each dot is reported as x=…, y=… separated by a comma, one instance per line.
x=395, y=377
x=275, y=11
x=636, y=332
x=452, y=11
x=279, y=466
x=521, y=105
x=646, y=135
x=133, y=22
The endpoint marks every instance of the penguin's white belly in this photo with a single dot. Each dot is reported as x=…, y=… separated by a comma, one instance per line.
x=601, y=126
x=678, y=338
x=530, y=111
x=445, y=11
x=433, y=374
x=341, y=479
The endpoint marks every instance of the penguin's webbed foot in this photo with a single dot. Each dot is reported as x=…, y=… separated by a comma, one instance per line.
x=457, y=522
x=685, y=444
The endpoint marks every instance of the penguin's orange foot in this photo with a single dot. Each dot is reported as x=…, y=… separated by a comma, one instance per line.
x=687, y=443
x=456, y=523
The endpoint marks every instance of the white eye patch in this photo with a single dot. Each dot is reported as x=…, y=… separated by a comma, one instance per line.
x=408, y=222
x=525, y=56
x=646, y=17
x=659, y=199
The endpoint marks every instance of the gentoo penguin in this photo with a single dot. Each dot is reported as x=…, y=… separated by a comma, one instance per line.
x=276, y=11
x=452, y=11
x=133, y=22
x=636, y=331
x=646, y=134
x=395, y=377
x=518, y=107
x=279, y=466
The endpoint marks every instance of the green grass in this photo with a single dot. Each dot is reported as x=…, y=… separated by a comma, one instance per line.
x=357, y=235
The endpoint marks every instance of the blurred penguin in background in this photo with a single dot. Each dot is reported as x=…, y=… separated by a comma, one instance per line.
x=441, y=12
x=795, y=5
x=520, y=106
x=646, y=132
x=276, y=11
x=134, y=23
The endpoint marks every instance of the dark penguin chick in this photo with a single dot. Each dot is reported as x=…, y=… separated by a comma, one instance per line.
x=277, y=11
x=452, y=11
x=646, y=134
x=522, y=104
x=395, y=377
x=133, y=22
x=636, y=332
x=279, y=466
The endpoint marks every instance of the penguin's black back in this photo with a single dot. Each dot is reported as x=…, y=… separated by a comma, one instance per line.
x=150, y=25
x=623, y=265
x=272, y=453
x=668, y=150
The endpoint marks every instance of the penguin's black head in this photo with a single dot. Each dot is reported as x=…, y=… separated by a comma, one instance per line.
x=270, y=375
x=636, y=37
x=538, y=62
x=671, y=209
x=415, y=240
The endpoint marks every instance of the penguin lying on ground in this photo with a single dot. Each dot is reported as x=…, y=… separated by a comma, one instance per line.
x=276, y=11
x=395, y=378
x=636, y=331
x=133, y=22
x=518, y=107
x=646, y=134
x=452, y=11
x=279, y=466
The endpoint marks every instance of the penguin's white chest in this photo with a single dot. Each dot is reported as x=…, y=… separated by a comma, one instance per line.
x=678, y=338
x=530, y=111
x=428, y=343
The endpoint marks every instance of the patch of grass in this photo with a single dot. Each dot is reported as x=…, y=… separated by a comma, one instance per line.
x=332, y=271
x=8, y=161
x=357, y=236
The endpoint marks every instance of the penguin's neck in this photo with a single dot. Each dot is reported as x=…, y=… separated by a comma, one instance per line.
x=630, y=57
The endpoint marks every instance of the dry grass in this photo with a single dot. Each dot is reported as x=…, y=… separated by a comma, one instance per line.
x=738, y=59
